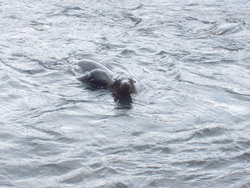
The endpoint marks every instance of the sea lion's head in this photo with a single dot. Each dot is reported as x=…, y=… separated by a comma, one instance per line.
x=123, y=87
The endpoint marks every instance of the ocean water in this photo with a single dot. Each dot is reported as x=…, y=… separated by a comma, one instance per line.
x=188, y=126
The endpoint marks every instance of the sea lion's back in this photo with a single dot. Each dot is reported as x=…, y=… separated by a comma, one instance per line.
x=89, y=65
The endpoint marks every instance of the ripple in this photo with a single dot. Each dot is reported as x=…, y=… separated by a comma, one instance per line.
x=106, y=170
x=127, y=52
x=164, y=181
x=76, y=176
x=208, y=132
x=163, y=149
x=237, y=95
x=244, y=157
x=228, y=28
x=115, y=185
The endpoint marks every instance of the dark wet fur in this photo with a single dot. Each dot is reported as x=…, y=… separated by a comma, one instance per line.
x=123, y=102
x=123, y=89
x=93, y=83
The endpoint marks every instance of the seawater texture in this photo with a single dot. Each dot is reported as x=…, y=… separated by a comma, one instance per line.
x=189, y=123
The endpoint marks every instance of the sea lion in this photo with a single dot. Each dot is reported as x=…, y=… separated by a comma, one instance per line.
x=99, y=76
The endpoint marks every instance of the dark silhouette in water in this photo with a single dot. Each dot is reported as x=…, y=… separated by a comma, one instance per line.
x=99, y=76
x=123, y=102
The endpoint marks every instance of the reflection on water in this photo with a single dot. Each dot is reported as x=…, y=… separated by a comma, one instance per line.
x=124, y=102
x=188, y=126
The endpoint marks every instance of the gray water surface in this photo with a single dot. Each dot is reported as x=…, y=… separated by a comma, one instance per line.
x=189, y=123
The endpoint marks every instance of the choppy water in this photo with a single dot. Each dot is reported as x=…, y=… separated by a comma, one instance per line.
x=188, y=126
